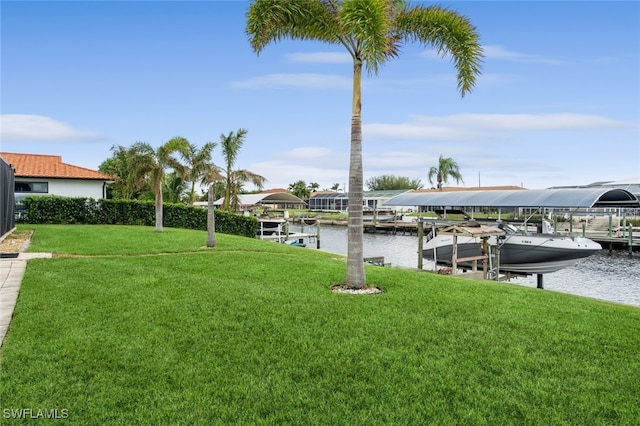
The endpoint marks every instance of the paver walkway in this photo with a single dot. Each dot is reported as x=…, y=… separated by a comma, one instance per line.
x=11, y=273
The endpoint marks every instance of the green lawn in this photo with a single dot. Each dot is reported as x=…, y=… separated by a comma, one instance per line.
x=146, y=328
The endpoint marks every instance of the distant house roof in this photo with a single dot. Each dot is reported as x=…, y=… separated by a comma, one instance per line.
x=272, y=190
x=248, y=200
x=49, y=166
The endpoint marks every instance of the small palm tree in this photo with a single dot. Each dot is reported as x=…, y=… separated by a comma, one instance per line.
x=212, y=178
x=198, y=164
x=300, y=189
x=372, y=31
x=211, y=218
x=156, y=161
x=446, y=167
x=235, y=179
x=173, y=187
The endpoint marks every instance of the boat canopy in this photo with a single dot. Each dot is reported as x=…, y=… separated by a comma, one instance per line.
x=533, y=198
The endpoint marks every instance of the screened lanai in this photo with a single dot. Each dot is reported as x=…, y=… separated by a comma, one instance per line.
x=329, y=201
x=338, y=201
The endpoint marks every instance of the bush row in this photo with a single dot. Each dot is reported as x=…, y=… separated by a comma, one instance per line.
x=79, y=210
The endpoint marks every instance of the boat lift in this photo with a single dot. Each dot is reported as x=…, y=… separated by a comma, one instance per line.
x=562, y=198
x=490, y=256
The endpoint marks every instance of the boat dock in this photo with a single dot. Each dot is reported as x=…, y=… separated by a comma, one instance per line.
x=396, y=227
x=616, y=243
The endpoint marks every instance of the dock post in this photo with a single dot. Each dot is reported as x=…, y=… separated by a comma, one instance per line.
x=540, y=280
x=584, y=230
x=454, y=257
x=420, y=242
x=610, y=225
x=318, y=234
x=630, y=240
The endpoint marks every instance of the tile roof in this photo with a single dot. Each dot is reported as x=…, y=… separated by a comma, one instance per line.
x=273, y=191
x=49, y=166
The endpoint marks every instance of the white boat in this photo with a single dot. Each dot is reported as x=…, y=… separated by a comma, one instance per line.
x=519, y=251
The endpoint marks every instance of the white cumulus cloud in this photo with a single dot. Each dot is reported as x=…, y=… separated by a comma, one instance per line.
x=468, y=126
x=26, y=127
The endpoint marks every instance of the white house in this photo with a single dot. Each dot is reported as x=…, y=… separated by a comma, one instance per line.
x=37, y=174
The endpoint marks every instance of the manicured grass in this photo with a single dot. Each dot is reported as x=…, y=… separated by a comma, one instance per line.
x=166, y=331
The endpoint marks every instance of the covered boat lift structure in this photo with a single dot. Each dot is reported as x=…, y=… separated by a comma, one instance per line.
x=531, y=198
x=561, y=198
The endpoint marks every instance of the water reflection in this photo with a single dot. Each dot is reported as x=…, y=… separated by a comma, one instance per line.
x=613, y=277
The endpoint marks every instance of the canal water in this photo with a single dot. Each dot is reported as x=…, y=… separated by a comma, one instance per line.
x=613, y=277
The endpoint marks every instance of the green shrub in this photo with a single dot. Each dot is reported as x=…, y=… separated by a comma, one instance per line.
x=80, y=210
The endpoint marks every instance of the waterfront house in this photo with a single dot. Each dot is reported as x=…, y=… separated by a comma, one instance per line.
x=37, y=174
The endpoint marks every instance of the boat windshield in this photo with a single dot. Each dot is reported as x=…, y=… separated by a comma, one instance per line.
x=508, y=228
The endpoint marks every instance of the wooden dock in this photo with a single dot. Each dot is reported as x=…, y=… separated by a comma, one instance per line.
x=616, y=243
x=398, y=227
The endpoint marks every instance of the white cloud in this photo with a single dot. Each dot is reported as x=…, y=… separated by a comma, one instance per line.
x=469, y=126
x=282, y=173
x=25, y=127
x=320, y=57
x=501, y=53
x=312, y=153
x=307, y=80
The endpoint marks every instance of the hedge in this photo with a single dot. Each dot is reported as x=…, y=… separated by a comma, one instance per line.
x=80, y=210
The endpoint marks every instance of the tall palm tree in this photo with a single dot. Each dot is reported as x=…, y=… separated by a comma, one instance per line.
x=235, y=179
x=157, y=160
x=446, y=167
x=372, y=31
x=198, y=164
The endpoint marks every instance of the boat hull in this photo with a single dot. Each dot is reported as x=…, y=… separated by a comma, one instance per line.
x=525, y=254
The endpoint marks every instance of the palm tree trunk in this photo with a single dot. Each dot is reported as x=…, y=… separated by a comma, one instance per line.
x=226, y=206
x=355, y=250
x=192, y=193
x=158, y=185
x=211, y=219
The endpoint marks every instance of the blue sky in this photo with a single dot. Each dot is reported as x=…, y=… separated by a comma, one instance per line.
x=558, y=101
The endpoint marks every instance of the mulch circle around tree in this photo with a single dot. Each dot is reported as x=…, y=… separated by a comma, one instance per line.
x=342, y=288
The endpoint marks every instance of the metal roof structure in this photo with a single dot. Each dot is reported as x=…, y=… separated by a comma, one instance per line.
x=265, y=198
x=365, y=194
x=534, y=198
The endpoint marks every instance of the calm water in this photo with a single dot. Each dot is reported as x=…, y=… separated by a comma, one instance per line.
x=614, y=277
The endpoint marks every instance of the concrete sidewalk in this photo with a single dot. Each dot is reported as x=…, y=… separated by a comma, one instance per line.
x=11, y=273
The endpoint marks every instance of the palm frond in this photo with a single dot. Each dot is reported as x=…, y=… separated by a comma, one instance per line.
x=449, y=33
x=274, y=20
